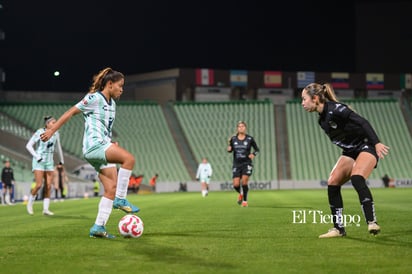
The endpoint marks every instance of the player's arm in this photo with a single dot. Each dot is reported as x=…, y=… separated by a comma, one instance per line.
x=255, y=149
x=30, y=144
x=229, y=147
x=59, y=123
x=59, y=148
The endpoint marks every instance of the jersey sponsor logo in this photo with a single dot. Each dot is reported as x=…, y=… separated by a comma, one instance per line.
x=106, y=108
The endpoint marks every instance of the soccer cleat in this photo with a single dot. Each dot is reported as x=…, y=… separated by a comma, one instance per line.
x=124, y=205
x=30, y=209
x=239, y=199
x=332, y=233
x=244, y=204
x=48, y=213
x=99, y=231
x=373, y=228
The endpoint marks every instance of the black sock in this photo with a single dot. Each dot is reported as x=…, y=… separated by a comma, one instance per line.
x=237, y=188
x=245, y=190
x=365, y=197
x=336, y=206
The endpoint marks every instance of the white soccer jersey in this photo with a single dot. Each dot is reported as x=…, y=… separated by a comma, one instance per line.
x=44, y=150
x=204, y=171
x=99, y=117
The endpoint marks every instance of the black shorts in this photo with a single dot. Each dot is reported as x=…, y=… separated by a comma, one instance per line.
x=242, y=169
x=8, y=185
x=366, y=148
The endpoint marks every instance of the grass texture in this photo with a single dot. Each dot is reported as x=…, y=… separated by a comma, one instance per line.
x=185, y=233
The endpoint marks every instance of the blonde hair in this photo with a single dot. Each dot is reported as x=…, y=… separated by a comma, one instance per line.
x=103, y=77
x=324, y=91
x=241, y=123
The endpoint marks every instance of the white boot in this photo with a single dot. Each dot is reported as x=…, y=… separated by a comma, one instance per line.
x=7, y=198
x=30, y=204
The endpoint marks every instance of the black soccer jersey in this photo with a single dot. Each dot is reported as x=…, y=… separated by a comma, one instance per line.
x=346, y=128
x=242, y=148
x=7, y=175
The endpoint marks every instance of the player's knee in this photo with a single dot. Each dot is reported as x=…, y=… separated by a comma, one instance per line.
x=129, y=162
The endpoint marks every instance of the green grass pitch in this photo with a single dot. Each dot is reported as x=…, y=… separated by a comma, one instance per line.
x=185, y=233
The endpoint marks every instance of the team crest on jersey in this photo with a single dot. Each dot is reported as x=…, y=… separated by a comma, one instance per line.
x=235, y=143
x=245, y=143
x=85, y=102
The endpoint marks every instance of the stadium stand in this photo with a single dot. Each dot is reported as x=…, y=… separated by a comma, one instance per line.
x=208, y=126
x=313, y=156
x=31, y=115
x=140, y=128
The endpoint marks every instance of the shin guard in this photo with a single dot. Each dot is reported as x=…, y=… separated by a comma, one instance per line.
x=365, y=197
x=336, y=206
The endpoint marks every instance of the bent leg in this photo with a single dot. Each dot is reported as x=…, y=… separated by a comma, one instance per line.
x=364, y=165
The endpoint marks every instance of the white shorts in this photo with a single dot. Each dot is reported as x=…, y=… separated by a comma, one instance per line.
x=205, y=180
x=43, y=166
x=97, y=157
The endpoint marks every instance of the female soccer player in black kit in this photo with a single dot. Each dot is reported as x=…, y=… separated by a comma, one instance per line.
x=361, y=152
x=241, y=145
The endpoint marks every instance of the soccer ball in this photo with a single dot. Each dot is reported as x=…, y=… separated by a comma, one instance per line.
x=131, y=226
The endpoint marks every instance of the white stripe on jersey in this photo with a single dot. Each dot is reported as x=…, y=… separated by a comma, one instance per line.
x=99, y=117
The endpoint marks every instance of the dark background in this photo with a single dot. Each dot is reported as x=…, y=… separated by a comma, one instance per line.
x=78, y=38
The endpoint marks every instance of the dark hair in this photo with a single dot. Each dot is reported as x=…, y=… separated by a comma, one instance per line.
x=103, y=77
x=47, y=119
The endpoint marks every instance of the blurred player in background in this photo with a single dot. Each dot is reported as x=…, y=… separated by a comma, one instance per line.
x=99, y=109
x=43, y=163
x=361, y=152
x=203, y=174
x=60, y=180
x=152, y=182
x=241, y=145
x=7, y=179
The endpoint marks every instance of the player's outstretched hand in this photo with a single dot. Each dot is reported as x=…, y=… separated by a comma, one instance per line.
x=381, y=150
x=46, y=135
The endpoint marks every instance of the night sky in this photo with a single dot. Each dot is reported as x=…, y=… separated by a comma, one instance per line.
x=142, y=36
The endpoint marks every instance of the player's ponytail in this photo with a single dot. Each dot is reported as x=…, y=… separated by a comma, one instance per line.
x=103, y=77
x=323, y=91
x=329, y=92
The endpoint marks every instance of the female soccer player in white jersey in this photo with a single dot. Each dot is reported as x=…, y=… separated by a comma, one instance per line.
x=43, y=163
x=203, y=174
x=99, y=109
